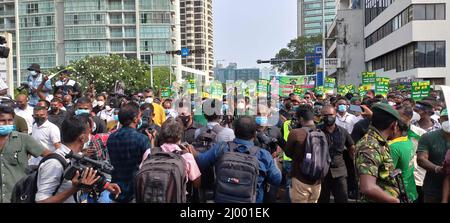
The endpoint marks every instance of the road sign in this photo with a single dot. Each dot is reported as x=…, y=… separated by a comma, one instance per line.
x=331, y=63
x=318, y=49
x=312, y=56
x=184, y=52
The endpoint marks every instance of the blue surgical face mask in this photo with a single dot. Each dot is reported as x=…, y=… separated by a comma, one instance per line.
x=81, y=111
x=342, y=108
x=6, y=129
x=261, y=120
x=116, y=117
x=32, y=73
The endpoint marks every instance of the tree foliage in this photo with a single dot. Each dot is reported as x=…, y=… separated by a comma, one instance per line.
x=296, y=49
x=104, y=71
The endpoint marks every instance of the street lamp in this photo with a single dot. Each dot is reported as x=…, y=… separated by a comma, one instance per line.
x=323, y=39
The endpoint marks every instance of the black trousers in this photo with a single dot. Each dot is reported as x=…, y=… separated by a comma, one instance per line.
x=337, y=186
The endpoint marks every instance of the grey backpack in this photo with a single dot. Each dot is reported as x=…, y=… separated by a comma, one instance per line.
x=162, y=179
x=237, y=176
x=316, y=161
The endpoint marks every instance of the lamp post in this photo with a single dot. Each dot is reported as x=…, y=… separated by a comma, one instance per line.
x=323, y=39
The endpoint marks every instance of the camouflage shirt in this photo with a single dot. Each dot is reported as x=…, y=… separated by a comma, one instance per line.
x=373, y=158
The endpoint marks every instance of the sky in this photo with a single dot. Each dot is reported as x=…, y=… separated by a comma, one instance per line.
x=248, y=30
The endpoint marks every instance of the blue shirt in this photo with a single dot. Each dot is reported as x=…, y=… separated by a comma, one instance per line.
x=126, y=148
x=267, y=167
x=34, y=84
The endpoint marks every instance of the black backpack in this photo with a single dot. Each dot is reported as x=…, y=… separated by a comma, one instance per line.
x=316, y=161
x=162, y=178
x=24, y=191
x=237, y=176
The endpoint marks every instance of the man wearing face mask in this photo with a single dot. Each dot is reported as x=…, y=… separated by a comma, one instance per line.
x=67, y=86
x=373, y=160
x=160, y=115
x=107, y=114
x=403, y=152
x=101, y=104
x=24, y=110
x=126, y=148
x=343, y=118
x=34, y=80
x=187, y=118
x=431, y=154
x=168, y=109
x=15, y=148
x=269, y=137
x=335, y=181
x=56, y=115
x=84, y=106
x=425, y=110
x=47, y=133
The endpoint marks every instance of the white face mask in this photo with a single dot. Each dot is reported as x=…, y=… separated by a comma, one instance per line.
x=100, y=103
x=391, y=103
x=149, y=100
x=240, y=106
x=108, y=108
x=446, y=126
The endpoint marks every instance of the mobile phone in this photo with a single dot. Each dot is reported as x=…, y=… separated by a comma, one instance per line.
x=356, y=108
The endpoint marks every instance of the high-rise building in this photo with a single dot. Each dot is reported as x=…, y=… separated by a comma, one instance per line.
x=309, y=16
x=408, y=39
x=55, y=32
x=197, y=33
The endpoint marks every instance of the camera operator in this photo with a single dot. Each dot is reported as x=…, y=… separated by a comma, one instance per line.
x=51, y=185
x=268, y=137
x=147, y=124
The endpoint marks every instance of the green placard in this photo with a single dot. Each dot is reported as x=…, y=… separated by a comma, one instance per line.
x=319, y=90
x=165, y=92
x=298, y=90
x=192, y=89
x=369, y=79
x=342, y=89
x=420, y=89
x=216, y=91
x=382, y=86
x=330, y=83
x=261, y=89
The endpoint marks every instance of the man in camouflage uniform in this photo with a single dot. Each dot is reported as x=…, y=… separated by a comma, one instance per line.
x=373, y=161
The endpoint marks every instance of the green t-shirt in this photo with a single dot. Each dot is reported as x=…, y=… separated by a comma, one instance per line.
x=402, y=153
x=200, y=119
x=436, y=145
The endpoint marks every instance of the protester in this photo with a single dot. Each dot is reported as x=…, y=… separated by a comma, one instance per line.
x=343, y=118
x=158, y=110
x=47, y=133
x=126, y=148
x=34, y=79
x=245, y=128
x=56, y=115
x=25, y=111
x=431, y=155
x=101, y=104
x=84, y=106
x=15, y=148
x=338, y=139
x=66, y=86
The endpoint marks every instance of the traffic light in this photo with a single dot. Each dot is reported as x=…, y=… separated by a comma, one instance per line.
x=4, y=51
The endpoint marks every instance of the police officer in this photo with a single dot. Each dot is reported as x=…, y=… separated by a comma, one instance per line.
x=374, y=165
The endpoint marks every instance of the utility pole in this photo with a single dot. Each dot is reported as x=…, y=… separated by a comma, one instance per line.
x=323, y=39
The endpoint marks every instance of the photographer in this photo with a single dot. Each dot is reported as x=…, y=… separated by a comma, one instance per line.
x=35, y=78
x=147, y=124
x=51, y=185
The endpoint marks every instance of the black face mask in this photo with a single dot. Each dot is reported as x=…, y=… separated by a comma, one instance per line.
x=54, y=109
x=288, y=106
x=329, y=120
x=185, y=120
x=39, y=120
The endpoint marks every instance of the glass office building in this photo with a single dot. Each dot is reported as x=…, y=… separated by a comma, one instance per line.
x=55, y=32
x=310, y=16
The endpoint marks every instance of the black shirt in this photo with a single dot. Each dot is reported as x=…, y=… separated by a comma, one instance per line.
x=338, y=140
x=57, y=119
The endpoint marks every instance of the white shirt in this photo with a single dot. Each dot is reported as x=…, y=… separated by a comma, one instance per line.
x=49, y=176
x=106, y=115
x=346, y=121
x=416, y=116
x=419, y=172
x=47, y=134
x=27, y=114
x=226, y=135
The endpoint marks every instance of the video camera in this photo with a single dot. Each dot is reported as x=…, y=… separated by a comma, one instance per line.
x=146, y=122
x=272, y=143
x=4, y=51
x=82, y=163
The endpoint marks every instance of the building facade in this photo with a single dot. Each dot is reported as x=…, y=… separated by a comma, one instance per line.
x=309, y=15
x=197, y=33
x=408, y=39
x=346, y=41
x=55, y=32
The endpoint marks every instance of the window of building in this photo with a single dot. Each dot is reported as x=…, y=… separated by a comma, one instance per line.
x=430, y=54
x=419, y=12
x=440, y=12
x=420, y=55
x=429, y=12
x=37, y=22
x=32, y=8
x=49, y=21
x=75, y=19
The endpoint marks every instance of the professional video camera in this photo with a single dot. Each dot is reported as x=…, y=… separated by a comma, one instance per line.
x=82, y=163
x=272, y=143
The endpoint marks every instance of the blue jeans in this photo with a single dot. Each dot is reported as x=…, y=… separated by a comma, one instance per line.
x=287, y=172
x=103, y=198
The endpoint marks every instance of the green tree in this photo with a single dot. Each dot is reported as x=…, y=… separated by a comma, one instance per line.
x=296, y=49
x=104, y=71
